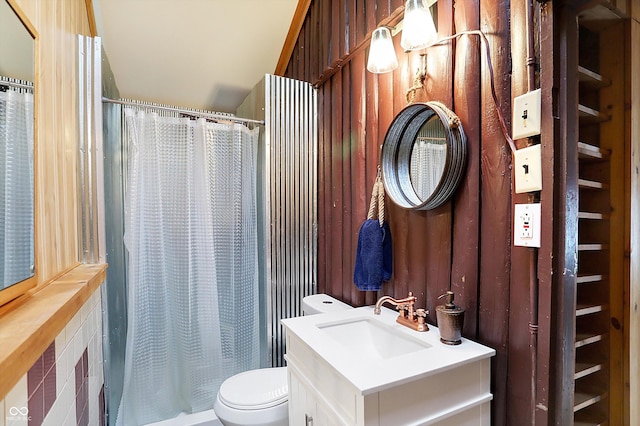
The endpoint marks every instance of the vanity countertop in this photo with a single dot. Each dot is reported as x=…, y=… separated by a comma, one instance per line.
x=407, y=355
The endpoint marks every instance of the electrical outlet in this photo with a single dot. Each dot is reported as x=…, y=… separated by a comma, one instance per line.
x=527, y=165
x=526, y=114
x=526, y=230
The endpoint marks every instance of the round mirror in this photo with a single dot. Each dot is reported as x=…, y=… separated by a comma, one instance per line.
x=423, y=156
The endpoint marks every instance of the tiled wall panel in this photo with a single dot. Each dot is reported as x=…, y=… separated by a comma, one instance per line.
x=65, y=385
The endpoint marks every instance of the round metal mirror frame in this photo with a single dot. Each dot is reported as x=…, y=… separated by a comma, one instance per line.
x=398, y=146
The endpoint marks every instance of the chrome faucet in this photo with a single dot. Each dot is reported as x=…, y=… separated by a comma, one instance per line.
x=408, y=316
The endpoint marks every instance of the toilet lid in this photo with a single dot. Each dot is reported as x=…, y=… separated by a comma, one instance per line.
x=255, y=389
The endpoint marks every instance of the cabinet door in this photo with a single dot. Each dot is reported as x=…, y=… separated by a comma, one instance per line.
x=305, y=406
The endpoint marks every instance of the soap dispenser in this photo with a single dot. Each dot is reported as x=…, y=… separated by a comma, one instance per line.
x=450, y=318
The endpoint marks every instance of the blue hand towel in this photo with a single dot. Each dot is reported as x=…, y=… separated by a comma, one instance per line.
x=373, y=256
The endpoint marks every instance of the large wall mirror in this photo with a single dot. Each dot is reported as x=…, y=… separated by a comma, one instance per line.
x=17, y=143
x=423, y=156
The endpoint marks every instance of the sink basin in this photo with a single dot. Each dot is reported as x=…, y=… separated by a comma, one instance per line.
x=370, y=338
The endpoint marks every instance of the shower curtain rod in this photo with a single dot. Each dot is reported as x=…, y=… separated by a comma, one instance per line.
x=185, y=111
x=19, y=85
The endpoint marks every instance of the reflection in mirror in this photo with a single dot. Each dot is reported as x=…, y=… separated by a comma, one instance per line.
x=428, y=158
x=423, y=156
x=16, y=149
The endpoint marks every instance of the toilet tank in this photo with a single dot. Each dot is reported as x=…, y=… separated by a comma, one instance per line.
x=321, y=303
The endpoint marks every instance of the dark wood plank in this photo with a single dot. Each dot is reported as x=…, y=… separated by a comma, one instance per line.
x=519, y=383
x=360, y=30
x=564, y=214
x=316, y=41
x=337, y=32
x=325, y=25
x=371, y=20
x=347, y=141
x=340, y=6
x=439, y=221
x=361, y=187
x=383, y=9
x=495, y=213
x=352, y=24
x=466, y=229
x=386, y=112
x=337, y=184
x=373, y=140
x=324, y=180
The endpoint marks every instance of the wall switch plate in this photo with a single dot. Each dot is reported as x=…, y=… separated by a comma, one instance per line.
x=526, y=230
x=526, y=114
x=527, y=165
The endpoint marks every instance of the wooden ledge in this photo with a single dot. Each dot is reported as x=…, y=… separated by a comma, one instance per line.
x=27, y=330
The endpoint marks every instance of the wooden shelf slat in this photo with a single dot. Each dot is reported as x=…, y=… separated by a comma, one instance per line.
x=589, y=278
x=588, y=309
x=584, y=339
x=584, y=369
x=591, y=78
x=590, y=115
x=592, y=216
x=591, y=184
x=592, y=247
x=583, y=399
x=588, y=151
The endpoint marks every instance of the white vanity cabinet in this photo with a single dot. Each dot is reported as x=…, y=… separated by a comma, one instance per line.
x=433, y=385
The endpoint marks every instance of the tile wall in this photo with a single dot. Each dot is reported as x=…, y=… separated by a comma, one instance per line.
x=65, y=385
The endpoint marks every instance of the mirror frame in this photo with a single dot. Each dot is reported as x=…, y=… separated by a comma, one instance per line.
x=398, y=146
x=20, y=288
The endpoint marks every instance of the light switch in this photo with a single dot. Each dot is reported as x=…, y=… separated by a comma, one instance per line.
x=526, y=114
x=527, y=165
x=527, y=221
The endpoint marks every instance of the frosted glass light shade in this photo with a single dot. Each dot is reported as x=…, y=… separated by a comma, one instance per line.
x=382, y=55
x=418, y=29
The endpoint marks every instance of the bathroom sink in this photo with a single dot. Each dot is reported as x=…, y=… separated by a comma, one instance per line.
x=371, y=339
x=373, y=352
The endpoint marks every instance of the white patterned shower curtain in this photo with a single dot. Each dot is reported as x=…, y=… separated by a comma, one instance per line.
x=190, y=232
x=16, y=187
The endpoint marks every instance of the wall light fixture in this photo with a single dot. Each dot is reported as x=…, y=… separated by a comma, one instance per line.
x=418, y=32
x=418, y=29
x=382, y=55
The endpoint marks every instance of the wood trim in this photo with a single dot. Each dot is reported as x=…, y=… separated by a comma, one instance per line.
x=15, y=291
x=25, y=332
x=565, y=217
x=392, y=20
x=91, y=17
x=612, y=139
x=292, y=36
x=25, y=21
x=633, y=325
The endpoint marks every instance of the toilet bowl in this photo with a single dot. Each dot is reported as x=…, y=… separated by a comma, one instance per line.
x=259, y=397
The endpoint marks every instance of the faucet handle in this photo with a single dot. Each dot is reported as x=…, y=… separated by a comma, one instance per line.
x=421, y=313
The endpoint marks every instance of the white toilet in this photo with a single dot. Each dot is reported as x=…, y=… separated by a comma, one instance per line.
x=259, y=397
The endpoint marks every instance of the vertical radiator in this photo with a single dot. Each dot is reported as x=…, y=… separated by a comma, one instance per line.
x=287, y=205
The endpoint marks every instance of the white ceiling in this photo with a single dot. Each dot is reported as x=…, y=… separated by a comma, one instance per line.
x=192, y=53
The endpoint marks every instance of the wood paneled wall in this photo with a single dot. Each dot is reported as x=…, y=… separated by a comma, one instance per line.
x=57, y=23
x=464, y=245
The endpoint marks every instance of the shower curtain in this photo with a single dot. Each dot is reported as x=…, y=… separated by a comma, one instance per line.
x=190, y=232
x=16, y=187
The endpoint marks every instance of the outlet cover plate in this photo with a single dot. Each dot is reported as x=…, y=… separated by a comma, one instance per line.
x=526, y=114
x=527, y=165
x=526, y=231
